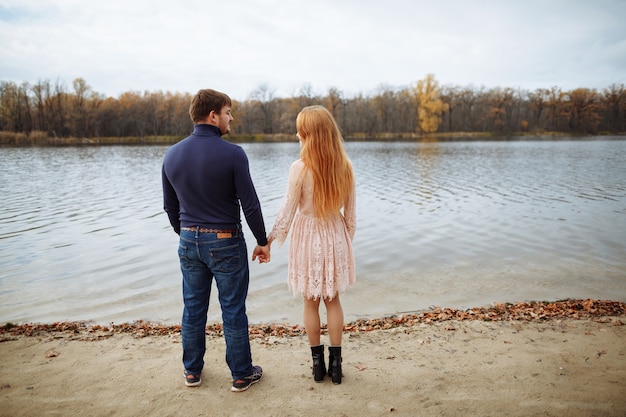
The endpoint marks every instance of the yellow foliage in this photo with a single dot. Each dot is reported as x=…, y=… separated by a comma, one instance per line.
x=524, y=125
x=429, y=106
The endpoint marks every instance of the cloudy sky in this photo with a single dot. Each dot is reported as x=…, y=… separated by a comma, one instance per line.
x=356, y=46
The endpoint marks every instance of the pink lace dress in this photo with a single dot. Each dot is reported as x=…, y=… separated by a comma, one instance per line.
x=321, y=260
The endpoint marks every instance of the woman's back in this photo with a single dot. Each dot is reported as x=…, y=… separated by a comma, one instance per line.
x=325, y=158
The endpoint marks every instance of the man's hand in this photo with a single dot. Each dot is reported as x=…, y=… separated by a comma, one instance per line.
x=261, y=252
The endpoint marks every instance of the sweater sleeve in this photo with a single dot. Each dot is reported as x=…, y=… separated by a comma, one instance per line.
x=248, y=197
x=171, y=205
x=285, y=215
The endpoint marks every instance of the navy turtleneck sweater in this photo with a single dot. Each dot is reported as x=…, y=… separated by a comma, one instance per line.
x=206, y=182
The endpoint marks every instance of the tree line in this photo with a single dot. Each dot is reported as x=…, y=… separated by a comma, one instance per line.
x=56, y=111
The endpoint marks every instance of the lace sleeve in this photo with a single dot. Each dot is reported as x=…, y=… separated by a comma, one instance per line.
x=285, y=215
x=349, y=212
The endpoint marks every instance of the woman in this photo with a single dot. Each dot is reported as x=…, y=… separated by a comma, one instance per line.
x=321, y=260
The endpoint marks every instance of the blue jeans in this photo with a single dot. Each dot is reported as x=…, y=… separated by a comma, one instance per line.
x=204, y=256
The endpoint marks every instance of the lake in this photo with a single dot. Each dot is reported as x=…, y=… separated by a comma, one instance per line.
x=83, y=235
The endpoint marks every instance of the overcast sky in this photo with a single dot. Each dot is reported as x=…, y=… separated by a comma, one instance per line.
x=356, y=46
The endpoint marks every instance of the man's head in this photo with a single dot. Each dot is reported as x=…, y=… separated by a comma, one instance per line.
x=211, y=107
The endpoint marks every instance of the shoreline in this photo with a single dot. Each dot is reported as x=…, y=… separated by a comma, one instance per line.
x=531, y=311
x=516, y=360
x=20, y=140
x=519, y=360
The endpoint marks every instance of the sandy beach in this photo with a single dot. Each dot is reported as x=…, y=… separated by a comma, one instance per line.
x=568, y=360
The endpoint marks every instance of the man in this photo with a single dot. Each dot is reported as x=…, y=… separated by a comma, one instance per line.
x=206, y=181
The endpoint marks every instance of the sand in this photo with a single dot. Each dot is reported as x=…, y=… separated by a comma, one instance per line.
x=554, y=367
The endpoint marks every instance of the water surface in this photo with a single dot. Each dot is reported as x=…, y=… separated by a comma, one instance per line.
x=458, y=224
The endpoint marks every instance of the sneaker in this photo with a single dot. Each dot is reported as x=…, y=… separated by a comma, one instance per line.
x=243, y=384
x=192, y=380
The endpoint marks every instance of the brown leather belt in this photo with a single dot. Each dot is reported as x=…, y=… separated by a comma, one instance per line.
x=203, y=230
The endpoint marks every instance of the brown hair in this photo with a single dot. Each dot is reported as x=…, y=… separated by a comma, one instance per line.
x=323, y=153
x=206, y=101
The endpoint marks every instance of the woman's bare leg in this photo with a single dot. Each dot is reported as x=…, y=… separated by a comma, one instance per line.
x=334, y=313
x=312, y=320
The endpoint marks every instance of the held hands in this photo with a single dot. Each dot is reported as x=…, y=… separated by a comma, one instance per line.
x=261, y=252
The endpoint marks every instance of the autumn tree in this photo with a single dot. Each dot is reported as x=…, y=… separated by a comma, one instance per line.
x=385, y=104
x=539, y=100
x=615, y=108
x=502, y=107
x=429, y=104
x=405, y=112
x=584, y=111
x=389, y=112
x=333, y=101
x=42, y=92
x=557, y=109
x=83, y=104
x=450, y=96
x=264, y=107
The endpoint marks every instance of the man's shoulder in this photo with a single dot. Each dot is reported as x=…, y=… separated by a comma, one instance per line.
x=229, y=145
x=216, y=145
x=181, y=142
x=232, y=148
x=178, y=146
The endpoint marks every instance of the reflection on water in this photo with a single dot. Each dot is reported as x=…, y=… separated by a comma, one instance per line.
x=83, y=235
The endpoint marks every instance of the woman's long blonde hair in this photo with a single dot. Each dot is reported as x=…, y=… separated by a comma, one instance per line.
x=323, y=153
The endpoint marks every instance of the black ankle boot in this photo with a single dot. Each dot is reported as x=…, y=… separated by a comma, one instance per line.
x=334, y=364
x=319, y=367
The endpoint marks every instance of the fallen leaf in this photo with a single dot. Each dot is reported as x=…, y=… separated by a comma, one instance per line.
x=540, y=311
x=52, y=354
